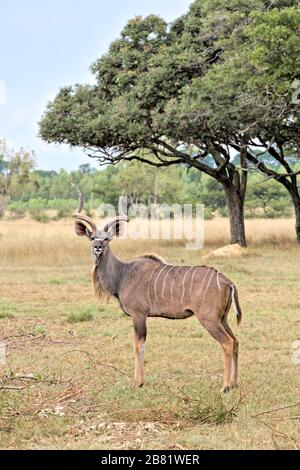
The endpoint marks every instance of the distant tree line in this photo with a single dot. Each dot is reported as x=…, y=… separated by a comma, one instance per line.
x=27, y=190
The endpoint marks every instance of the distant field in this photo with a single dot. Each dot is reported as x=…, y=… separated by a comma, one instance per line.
x=67, y=382
x=31, y=240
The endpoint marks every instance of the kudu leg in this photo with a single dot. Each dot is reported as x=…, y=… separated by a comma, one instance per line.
x=140, y=334
x=219, y=333
x=234, y=367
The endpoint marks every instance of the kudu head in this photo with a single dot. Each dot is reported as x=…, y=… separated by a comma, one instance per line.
x=85, y=226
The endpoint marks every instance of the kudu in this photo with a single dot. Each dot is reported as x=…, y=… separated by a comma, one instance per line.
x=147, y=286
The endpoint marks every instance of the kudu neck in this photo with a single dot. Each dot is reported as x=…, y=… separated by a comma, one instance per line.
x=110, y=270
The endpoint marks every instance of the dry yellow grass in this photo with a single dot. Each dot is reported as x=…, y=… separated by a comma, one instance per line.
x=37, y=243
x=67, y=381
x=259, y=231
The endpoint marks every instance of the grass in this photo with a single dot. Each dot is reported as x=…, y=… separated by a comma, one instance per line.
x=81, y=315
x=68, y=384
x=6, y=311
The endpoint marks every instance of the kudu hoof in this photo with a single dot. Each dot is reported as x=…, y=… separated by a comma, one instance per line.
x=138, y=384
x=227, y=388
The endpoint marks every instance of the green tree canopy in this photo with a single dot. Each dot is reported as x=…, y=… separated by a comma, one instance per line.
x=170, y=91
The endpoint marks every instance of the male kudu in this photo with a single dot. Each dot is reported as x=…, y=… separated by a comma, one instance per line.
x=149, y=287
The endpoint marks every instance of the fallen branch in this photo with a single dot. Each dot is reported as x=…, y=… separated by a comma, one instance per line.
x=276, y=409
x=54, y=341
x=23, y=377
x=12, y=387
x=283, y=418
x=280, y=434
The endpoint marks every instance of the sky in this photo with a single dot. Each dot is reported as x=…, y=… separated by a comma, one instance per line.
x=49, y=44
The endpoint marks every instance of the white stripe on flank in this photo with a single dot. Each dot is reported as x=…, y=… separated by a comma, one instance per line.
x=171, y=288
x=183, y=290
x=218, y=280
x=157, y=279
x=232, y=287
x=149, y=284
x=193, y=275
x=209, y=281
x=164, y=283
x=208, y=269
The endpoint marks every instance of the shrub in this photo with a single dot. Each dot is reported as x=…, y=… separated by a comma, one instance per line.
x=279, y=209
x=36, y=209
x=39, y=216
x=63, y=214
x=208, y=213
x=65, y=207
x=17, y=209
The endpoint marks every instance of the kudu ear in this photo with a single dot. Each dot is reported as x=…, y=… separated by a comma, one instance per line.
x=81, y=229
x=115, y=228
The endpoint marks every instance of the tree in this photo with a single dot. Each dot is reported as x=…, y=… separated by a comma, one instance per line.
x=85, y=168
x=121, y=117
x=266, y=199
x=15, y=168
x=259, y=66
x=274, y=56
x=239, y=106
x=158, y=93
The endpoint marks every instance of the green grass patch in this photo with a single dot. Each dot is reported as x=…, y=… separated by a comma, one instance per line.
x=81, y=315
x=56, y=282
x=40, y=329
x=7, y=311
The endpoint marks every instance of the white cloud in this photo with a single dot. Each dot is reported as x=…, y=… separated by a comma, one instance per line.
x=2, y=92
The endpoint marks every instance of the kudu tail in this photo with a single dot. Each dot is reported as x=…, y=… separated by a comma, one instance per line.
x=235, y=302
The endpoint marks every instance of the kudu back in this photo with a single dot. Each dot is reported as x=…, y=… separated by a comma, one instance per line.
x=147, y=286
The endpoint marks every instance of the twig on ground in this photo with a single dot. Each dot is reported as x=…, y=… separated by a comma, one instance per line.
x=91, y=358
x=57, y=341
x=275, y=410
x=283, y=418
x=13, y=387
x=280, y=434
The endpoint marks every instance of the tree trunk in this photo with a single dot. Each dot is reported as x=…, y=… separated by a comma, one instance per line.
x=235, y=204
x=296, y=202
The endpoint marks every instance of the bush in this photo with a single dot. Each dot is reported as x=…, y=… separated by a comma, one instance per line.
x=39, y=215
x=278, y=209
x=208, y=213
x=65, y=207
x=36, y=209
x=63, y=214
x=223, y=211
x=17, y=209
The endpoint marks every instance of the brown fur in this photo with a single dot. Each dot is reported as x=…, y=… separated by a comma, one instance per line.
x=154, y=257
x=99, y=290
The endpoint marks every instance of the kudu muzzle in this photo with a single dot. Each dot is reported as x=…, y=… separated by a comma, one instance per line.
x=97, y=247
